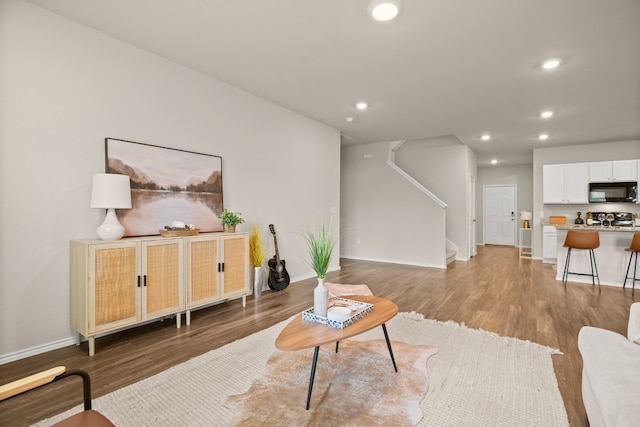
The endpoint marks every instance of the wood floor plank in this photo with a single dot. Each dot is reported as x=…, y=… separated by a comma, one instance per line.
x=495, y=290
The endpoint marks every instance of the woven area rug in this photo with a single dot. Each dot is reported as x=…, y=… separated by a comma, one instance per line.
x=477, y=378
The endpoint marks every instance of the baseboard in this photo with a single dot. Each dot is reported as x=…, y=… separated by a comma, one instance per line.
x=444, y=266
x=43, y=348
x=313, y=275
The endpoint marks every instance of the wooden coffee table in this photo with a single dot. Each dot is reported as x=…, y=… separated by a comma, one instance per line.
x=300, y=333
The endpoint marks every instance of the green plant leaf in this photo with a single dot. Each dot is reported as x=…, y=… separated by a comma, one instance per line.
x=320, y=243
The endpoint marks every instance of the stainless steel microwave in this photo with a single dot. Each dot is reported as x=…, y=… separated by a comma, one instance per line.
x=613, y=192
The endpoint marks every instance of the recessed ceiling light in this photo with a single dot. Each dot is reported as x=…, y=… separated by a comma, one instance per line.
x=362, y=105
x=485, y=137
x=543, y=136
x=384, y=10
x=494, y=161
x=349, y=119
x=547, y=114
x=550, y=64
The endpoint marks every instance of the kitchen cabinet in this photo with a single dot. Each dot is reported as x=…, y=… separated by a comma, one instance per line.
x=549, y=244
x=619, y=170
x=217, y=269
x=121, y=283
x=565, y=183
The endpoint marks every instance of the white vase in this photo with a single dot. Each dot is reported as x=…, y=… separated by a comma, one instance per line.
x=320, y=299
x=257, y=282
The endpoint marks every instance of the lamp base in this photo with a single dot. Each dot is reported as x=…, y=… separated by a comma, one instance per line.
x=110, y=229
x=525, y=224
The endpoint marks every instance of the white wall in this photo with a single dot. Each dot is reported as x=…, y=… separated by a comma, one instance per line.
x=443, y=166
x=521, y=176
x=383, y=216
x=64, y=89
x=575, y=154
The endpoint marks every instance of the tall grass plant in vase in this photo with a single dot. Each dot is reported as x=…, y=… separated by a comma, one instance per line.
x=257, y=255
x=320, y=242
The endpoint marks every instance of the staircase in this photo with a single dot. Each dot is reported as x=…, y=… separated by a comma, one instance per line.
x=449, y=249
x=452, y=252
x=451, y=256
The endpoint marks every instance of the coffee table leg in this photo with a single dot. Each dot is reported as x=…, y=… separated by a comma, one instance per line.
x=313, y=373
x=386, y=337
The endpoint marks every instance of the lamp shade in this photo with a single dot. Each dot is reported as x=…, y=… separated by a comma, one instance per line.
x=110, y=190
x=526, y=215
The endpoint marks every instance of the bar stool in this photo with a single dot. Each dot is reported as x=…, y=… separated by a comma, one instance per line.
x=584, y=240
x=634, y=248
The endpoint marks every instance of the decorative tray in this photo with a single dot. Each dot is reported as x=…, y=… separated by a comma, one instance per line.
x=358, y=311
x=179, y=233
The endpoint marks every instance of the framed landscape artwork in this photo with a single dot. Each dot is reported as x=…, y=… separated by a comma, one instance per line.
x=166, y=185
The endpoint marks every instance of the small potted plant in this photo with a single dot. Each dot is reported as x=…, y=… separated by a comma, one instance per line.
x=320, y=242
x=230, y=220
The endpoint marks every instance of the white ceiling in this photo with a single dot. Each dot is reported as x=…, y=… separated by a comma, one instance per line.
x=444, y=67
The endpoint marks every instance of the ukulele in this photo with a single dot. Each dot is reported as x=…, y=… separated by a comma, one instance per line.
x=278, y=276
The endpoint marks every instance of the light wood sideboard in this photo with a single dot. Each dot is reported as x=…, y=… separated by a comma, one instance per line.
x=117, y=284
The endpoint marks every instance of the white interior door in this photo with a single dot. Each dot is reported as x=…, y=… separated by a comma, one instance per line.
x=500, y=215
x=472, y=216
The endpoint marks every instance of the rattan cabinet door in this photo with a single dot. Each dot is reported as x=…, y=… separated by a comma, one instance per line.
x=162, y=277
x=203, y=285
x=235, y=261
x=114, y=297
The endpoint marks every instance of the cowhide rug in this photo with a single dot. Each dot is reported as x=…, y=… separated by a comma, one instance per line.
x=355, y=387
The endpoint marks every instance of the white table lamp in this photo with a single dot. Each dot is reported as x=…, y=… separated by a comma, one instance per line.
x=110, y=191
x=526, y=217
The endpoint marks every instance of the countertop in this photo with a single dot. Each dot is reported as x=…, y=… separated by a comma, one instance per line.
x=593, y=227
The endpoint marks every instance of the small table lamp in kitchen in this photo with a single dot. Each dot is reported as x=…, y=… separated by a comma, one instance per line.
x=526, y=217
x=110, y=191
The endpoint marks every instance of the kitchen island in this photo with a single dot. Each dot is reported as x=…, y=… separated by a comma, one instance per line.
x=611, y=257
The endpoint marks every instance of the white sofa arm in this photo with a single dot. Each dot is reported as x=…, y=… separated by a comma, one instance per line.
x=633, y=331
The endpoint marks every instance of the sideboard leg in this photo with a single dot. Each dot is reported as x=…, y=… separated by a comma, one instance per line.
x=92, y=345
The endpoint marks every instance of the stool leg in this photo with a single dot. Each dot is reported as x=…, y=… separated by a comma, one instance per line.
x=626, y=275
x=635, y=266
x=594, y=266
x=593, y=277
x=565, y=273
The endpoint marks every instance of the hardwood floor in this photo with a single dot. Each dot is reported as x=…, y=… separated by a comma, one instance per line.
x=495, y=290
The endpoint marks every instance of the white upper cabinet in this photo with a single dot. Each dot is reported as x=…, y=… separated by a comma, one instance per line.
x=576, y=184
x=565, y=184
x=625, y=170
x=620, y=170
x=553, y=184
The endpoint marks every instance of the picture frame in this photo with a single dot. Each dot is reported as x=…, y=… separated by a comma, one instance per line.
x=167, y=185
